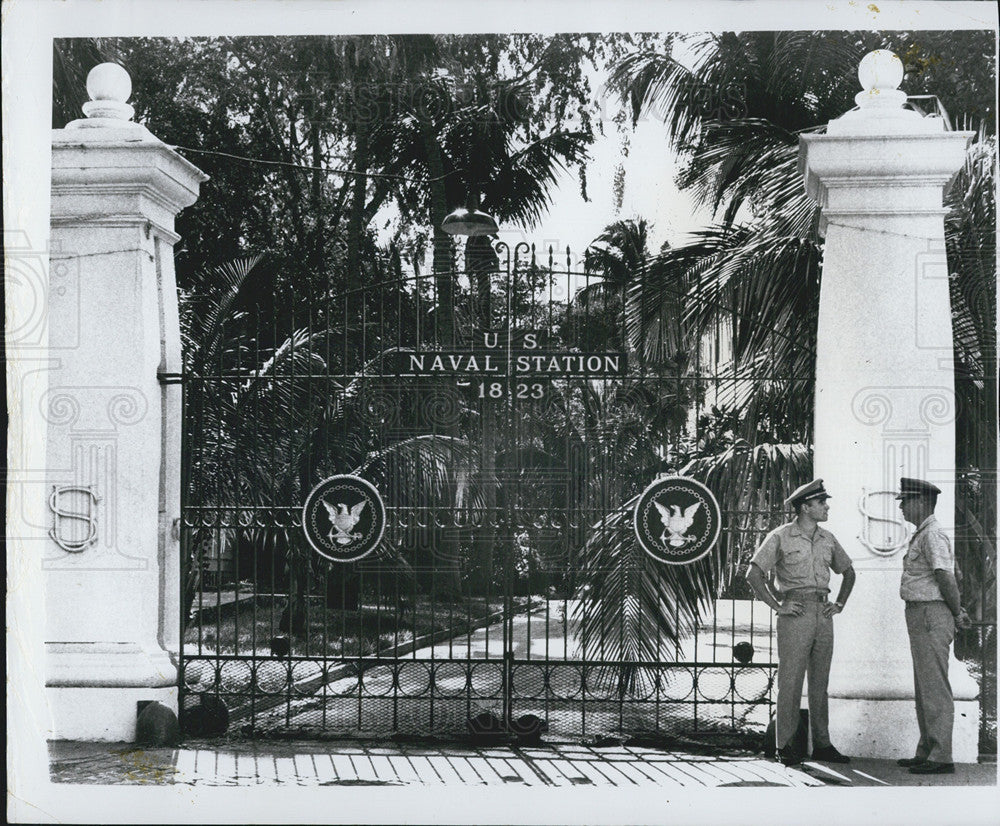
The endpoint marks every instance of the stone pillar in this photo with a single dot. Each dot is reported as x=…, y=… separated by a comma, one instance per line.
x=885, y=398
x=111, y=563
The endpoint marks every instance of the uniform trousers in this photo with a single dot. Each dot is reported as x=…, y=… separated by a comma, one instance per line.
x=931, y=627
x=805, y=643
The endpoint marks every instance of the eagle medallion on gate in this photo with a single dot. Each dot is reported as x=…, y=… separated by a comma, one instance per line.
x=344, y=518
x=677, y=520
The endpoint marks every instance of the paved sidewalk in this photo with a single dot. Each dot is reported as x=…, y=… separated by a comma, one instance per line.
x=371, y=763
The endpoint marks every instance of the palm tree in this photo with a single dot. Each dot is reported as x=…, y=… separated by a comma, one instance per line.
x=620, y=251
x=735, y=118
x=481, y=152
x=263, y=438
x=971, y=246
x=228, y=462
x=617, y=256
x=629, y=608
x=486, y=146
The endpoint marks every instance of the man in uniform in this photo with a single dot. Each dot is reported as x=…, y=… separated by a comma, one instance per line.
x=933, y=609
x=800, y=556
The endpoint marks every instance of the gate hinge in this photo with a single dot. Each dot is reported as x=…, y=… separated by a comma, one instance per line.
x=164, y=377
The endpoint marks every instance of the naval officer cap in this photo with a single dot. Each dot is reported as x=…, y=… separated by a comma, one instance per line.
x=916, y=487
x=810, y=490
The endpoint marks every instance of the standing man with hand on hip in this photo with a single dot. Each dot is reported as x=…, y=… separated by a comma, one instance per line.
x=800, y=555
x=933, y=610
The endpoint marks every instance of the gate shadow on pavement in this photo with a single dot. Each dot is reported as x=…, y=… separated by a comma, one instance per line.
x=377, y=763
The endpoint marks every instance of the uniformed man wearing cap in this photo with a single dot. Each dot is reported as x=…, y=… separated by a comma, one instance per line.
x=933, y=609
x=791, y=572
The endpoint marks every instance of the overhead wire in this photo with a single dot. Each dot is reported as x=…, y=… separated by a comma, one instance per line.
x=308, y=168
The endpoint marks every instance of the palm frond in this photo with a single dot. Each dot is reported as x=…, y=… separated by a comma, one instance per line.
x=634, y=608
x=530, y=172
x=753, y=482
x=717, y=284
x=750, y=163
x=970, y=236
x=427, y=468
x=649, y=80
x=212, y=311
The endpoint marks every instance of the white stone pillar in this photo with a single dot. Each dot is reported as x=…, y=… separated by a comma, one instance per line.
x=111, y=564
x=885, y=398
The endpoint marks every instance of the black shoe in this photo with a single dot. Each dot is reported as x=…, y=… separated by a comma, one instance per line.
x=789, y=757
x=829, y=754
x=910, y=762
x=930, y=767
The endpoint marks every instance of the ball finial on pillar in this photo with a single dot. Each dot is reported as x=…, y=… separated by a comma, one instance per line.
x=109, y=87
x=880, y=73
x=109, y=81
x=880, y=69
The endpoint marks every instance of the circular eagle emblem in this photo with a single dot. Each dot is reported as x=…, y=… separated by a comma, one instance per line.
x=677, y=520
x=344, y=518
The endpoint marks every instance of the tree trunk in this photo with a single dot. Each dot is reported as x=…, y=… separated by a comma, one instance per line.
x=480, y=264
x=355, y=225
x=317, y=245
x=444, y=282
x=342, y=588
x=293, y=618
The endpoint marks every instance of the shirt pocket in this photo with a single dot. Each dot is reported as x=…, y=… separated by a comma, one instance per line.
x=797, y=561
x=911, y=560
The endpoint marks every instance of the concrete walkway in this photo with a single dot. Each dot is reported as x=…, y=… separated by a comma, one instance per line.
x=373, y=763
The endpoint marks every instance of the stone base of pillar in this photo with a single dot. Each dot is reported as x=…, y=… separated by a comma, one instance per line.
x=887, y=729
x=125, y=664
x=93, y=688
x=102, y=714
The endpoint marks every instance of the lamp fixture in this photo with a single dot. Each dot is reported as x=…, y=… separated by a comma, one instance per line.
x=469, y=222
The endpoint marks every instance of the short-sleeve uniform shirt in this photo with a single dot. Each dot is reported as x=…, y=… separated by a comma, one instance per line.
x=800, y=561
x=929, y=551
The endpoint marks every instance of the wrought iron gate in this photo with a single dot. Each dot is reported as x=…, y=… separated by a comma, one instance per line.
x=509, y=425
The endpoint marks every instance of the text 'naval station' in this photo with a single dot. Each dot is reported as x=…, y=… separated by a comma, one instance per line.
x=521, y=363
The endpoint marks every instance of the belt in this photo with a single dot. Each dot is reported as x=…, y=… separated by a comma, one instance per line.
x=805, y=596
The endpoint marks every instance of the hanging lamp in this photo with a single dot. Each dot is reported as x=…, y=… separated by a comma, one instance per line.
x=469, y=222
